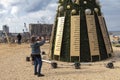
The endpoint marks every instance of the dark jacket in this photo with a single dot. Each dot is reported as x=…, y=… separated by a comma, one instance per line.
x=19, y=37
x=36, y=47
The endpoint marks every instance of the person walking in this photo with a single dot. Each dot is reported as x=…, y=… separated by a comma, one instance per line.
x=35, y=48
x=19, y=37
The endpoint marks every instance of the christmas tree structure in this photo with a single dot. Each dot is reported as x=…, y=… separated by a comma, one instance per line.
x=80, y=32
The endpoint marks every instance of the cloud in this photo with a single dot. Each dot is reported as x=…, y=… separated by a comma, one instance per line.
x=15, y=13
x=110, y=7
x=111, y=11
x=1, y=6
x=14, y=10
x=38, y=5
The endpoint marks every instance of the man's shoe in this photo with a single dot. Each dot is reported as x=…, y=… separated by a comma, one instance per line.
x=40, y=75
x=35, y=73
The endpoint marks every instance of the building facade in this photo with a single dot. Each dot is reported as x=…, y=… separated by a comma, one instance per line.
x=40, y=29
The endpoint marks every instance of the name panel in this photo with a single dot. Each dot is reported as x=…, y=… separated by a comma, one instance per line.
x=105, y=35
x=59, y=35
x=75, y=36
x=92, y=34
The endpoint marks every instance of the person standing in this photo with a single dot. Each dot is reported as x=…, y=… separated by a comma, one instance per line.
x=19, y=37
x=35, y=48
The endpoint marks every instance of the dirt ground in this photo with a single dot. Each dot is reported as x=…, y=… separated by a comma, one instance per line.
x=13, y=66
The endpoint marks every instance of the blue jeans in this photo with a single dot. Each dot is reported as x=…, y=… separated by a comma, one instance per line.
x=37, y=64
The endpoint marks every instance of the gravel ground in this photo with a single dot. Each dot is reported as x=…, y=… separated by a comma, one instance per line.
x=13, y=66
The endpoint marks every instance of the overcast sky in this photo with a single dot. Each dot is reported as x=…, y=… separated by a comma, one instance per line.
x=15, y=13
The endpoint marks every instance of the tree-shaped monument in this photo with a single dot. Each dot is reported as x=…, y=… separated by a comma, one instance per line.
x=80, y=32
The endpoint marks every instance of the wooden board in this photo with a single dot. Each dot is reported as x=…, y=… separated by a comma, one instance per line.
x=75, y=36
x=105, y=35
x=59, y=35
x=92, y=34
